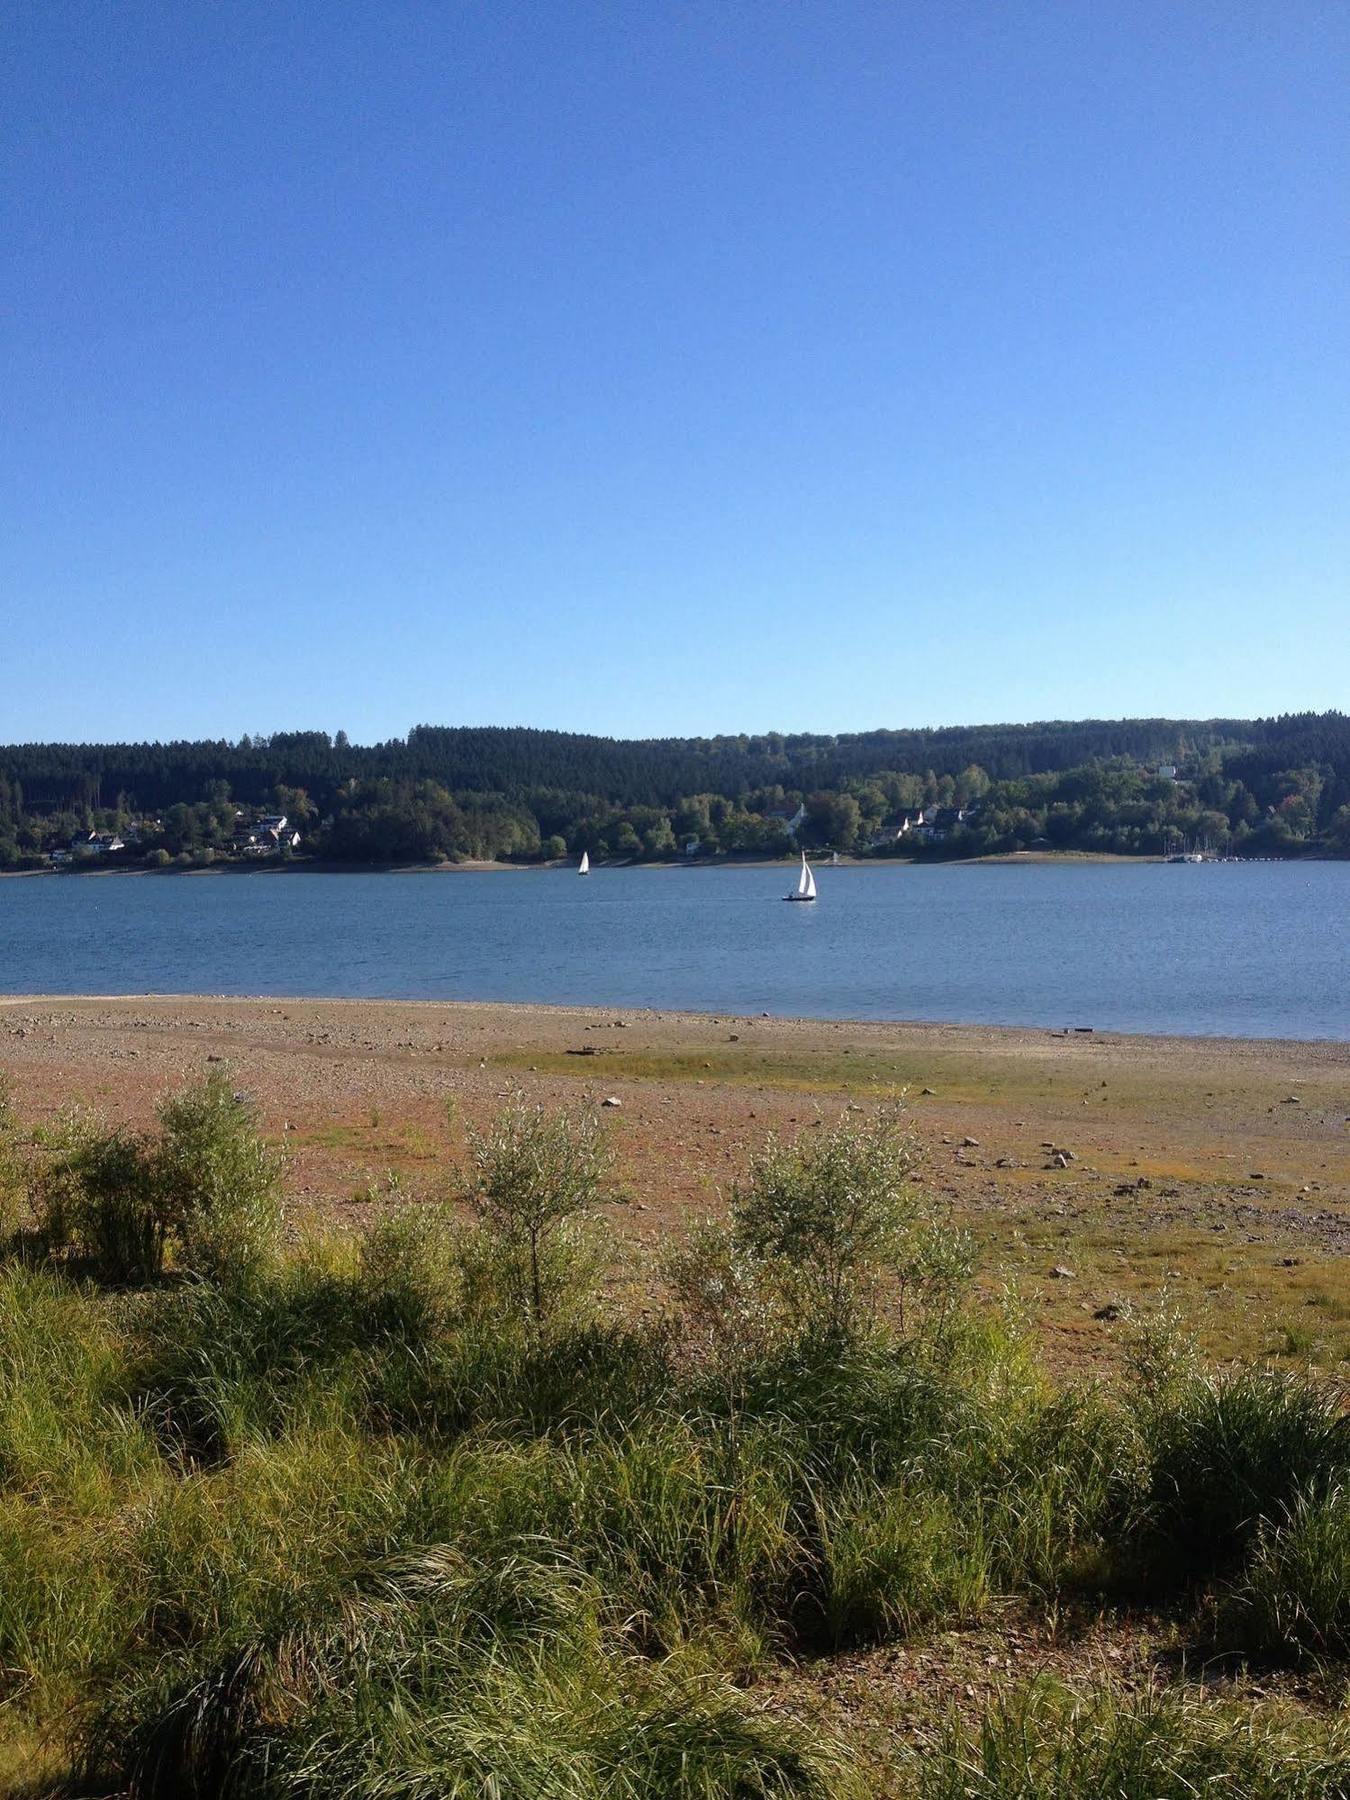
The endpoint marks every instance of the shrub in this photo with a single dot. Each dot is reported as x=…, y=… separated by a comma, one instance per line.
x=219, y=1182
x=410, y=1280
x=208, y=1492
x=836, y=1217
x=535, y=1173
x=104, y=1199
x=205, y=1185
x=728, y=1314
x=829, y=1212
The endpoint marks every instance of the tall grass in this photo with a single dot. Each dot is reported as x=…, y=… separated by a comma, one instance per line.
x=1046, y=1743
x=364, y=1520
x=1293, y=1599
x=1227, y=1455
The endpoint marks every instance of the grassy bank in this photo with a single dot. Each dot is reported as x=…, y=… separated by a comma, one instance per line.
x=431, y=1510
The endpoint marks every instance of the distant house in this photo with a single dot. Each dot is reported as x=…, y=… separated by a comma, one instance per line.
x=96, y=843
x=790, y=818
x=266, y=840
x=1167, y=771
x=892, y=831
x=934, y=823
x=691, y=846
x=897, y=827
x=273, y=822
x=59, y=858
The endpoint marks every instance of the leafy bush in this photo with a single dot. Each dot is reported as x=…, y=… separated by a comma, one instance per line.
x=219, y=1182
x=832, y=1214
x=104, y=1201
x=206, y=1185
x=410, y=1275
x=535, y=1174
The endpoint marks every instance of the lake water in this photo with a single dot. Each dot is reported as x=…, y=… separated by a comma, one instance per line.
x=1254, y=950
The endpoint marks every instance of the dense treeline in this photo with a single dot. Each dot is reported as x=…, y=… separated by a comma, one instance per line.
x=1268, y=786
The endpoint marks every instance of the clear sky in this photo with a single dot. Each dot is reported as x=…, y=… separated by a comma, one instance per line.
x=678, y=366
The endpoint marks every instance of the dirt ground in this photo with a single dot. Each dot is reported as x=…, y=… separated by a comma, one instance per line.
x=1098, y=1171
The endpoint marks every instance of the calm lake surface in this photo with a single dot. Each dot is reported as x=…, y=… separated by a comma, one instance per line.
x=1254, y=950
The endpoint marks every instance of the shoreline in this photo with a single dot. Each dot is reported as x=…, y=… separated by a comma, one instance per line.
x=561, y=1011
x=471, y=866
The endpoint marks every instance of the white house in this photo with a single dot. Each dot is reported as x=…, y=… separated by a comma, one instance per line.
x=897, y=827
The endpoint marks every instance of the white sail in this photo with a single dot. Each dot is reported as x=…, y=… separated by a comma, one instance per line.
x=806, y=883
x=585, y=867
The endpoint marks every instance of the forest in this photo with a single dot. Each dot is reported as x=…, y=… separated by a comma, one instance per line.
x=1264, y=787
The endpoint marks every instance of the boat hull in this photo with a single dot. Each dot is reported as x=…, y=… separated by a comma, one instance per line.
x=800, y=899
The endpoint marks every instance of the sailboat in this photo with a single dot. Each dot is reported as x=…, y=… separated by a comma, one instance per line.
x=584, y=867
x=806, y=885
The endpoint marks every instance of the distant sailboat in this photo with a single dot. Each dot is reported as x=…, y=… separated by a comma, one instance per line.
x=806, y=884
x=584, y=868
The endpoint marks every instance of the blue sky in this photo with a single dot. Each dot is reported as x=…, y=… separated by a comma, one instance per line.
x=671, y=367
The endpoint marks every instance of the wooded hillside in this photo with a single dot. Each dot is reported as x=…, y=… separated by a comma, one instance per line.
x=1268, y=786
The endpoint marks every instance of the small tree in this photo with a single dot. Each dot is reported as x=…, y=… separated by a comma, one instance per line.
x=534, y=1173
x=838, y=1214
x=219, y=1181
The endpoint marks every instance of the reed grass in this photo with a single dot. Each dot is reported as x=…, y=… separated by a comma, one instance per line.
x=1293, y=1598
x=1046, y=1743
x=349, y=1521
